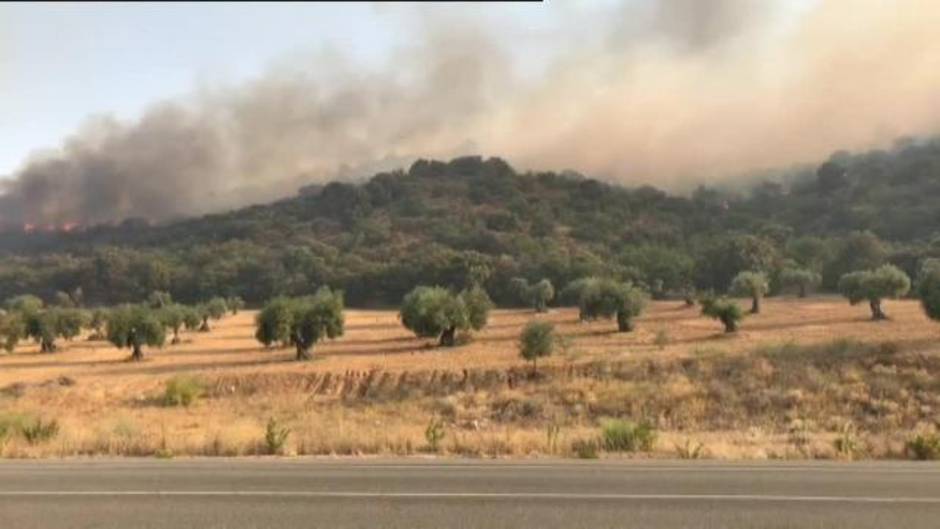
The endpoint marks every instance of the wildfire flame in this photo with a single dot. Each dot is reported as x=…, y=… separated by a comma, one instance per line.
x=66, y=227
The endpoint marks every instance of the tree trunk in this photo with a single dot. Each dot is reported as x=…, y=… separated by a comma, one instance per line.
x=689, y=301
x=137, y=355
x=802, y=291
x=730, y=325
x=303, y=353
x=876, y=312
x=624, y=324
x=205, y=325
x=47, y=346
x=447, y=337
x=176, y=337
x=755, y=305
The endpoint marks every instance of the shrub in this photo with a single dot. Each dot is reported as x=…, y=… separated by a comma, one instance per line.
x=537, y=340
x=37, y=431
x=627, y=436
x=924, y=447
x=753, y=285
x=435, y=312
x=182, y=391
x=690, y=449
x=434, y=434
x=275, y=436
x=585, y=448
x=726, y=311
x=606, y=298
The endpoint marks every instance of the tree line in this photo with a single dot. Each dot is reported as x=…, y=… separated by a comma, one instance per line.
x=427, y=311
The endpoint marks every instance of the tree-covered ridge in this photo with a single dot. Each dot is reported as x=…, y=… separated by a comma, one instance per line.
x=438, y=221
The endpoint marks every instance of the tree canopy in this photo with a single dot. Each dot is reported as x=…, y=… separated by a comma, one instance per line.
x=301, y=322
x=133, y=327
x=436, y=312
x=886, y=281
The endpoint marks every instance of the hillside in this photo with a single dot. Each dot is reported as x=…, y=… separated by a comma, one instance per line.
x=435, y=221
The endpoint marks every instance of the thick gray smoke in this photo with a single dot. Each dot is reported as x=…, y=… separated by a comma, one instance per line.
x=668, y=92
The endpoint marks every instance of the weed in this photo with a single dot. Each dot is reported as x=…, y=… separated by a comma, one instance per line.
x=627, y=436
x=275, y=436
x=585, y=448
x=924, y=447
x=37, y=431
x=434, y=433
x=662, y=339
x=182, y=391
x=847, y=444
x=552, y=432
x=689, y=449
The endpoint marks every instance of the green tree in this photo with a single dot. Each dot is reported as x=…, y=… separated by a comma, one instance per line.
x=301, y=322
x=537, y=296
x=928, y=288
x=97, y=322
x=24, y=303
x=801, y=280
x=71, y=321
x=173, y=317
x=724, y=310
x=435, y=312
x=192, y=317
x=64, y=300
x=753, y=285
x=235, y=304
x=12, y=329
x=887, y=281
x=133, y=327
x=537, y=340
x=606, y=298
x=215, y=308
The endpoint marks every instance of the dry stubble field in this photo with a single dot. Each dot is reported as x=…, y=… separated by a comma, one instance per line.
x=801, y=380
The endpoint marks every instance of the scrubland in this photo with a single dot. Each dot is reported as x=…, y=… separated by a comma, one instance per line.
x=809, y=378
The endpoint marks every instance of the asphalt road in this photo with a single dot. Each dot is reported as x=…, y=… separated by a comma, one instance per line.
x=412, y=494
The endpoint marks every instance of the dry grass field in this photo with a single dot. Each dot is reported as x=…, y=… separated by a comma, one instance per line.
x=806, y=379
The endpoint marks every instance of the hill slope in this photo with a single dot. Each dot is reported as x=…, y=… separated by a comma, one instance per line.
x=433, y=222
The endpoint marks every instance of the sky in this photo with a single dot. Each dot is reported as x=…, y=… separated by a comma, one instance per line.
x=165, y=110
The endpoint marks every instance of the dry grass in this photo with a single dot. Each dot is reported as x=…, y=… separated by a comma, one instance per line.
x=375, y=390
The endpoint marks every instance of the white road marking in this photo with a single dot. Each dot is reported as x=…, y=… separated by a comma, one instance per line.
x=476, y=495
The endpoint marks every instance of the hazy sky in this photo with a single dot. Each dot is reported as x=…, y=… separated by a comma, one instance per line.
x=167, y=110
x=60, y=63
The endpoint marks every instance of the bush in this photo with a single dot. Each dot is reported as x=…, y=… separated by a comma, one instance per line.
x=182, y=391
x=585, y=448
x=275, y=437
x=924, y=447
x=626, y=436
x=37, y=431
x=537, y=340
x=434, y=434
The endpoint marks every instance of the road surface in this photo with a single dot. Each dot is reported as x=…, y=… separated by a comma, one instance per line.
x=414, y=494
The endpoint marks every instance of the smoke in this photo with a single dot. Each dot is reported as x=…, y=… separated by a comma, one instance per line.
x=668, y=92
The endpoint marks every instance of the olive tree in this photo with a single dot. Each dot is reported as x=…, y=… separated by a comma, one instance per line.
x=301, y=322
x=538, y=295
x=801, y=280
x=435, y=312
x=24, y=303
x=607, y=298
x=887, y=281
x=97, y=322
x=753, y=285
x=173, y=317
x=71, y=322
x=537, y=340
x=928, y=288
x=133, y=327
x=215, y=308
x=235, y=304
x=43, y=326
x=724, y=310
x=12, y=329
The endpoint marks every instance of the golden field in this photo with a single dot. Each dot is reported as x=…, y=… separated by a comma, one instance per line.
x=791, y=383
